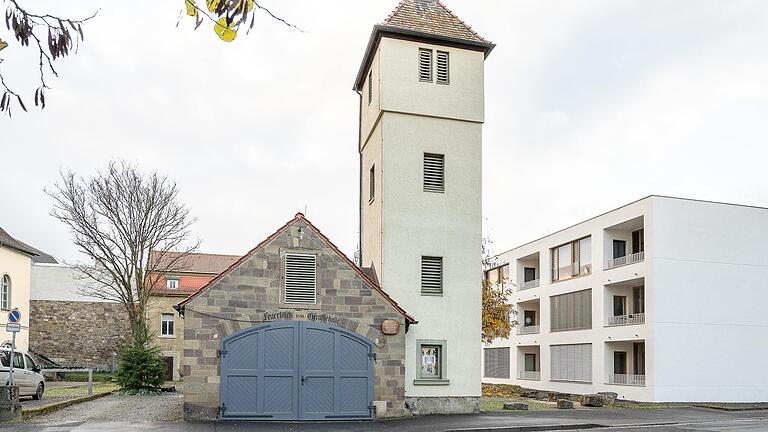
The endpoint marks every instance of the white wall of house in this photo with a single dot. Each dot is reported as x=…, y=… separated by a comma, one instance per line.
x=59, y=282
x=16, y=266
x=710, y=326
x=704, y=271
x=407, y=119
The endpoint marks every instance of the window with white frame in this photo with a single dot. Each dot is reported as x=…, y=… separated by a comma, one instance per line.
x=5, y=293
x=172, y=282
x=166, y=324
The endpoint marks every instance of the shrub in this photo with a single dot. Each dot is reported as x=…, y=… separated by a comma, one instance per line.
x=142, y=368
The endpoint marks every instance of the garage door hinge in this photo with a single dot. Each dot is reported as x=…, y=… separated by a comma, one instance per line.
x=372, y=355
x=221, y=353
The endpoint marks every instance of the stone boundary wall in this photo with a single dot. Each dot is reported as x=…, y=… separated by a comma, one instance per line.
x=74, y=333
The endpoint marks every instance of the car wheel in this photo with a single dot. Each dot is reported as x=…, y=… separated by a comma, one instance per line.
x=39, y=393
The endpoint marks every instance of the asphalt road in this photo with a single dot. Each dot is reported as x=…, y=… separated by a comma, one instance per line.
x=162, y=414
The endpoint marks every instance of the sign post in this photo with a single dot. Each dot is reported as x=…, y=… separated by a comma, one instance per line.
x=13, y=326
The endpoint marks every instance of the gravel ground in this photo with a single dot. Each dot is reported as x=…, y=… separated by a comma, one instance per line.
x=165, y=407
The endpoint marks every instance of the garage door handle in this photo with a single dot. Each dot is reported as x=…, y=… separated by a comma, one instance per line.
x=303, y=378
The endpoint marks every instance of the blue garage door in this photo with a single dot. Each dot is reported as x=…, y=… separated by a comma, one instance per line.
x=296, y=370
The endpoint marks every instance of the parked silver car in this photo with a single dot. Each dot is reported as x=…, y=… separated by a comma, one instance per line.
x=26, y=374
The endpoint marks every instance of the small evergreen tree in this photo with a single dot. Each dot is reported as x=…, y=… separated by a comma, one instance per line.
x=142, y=367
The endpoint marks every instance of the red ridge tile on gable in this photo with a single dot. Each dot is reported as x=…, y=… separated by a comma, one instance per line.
x=301, y=217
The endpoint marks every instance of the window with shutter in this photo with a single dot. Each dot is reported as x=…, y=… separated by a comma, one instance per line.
x=572, y=362
x=372, y=184
x=496, y=362
x=300, y=279
x=434, y=173
x=431, y=275
x=425, y=65
x=370, y=86
x=571, y=311
x=443, y=68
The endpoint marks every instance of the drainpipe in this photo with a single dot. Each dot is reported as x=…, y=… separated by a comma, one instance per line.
x=360, y=178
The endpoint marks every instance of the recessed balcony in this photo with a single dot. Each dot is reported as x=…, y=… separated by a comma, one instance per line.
x=625, y=361
x=622, y=320
x=529, y=329
x=529, y=375
x=624, y=243
x=528, y=363
x=527, y=272
x=626, y=379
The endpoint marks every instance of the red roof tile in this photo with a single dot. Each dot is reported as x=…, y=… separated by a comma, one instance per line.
x=431, y=16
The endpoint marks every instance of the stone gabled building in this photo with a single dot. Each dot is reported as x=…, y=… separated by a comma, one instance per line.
x=293, y=330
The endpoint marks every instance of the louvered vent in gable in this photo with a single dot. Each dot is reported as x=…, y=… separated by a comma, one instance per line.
x=425, y=65
x=300, y=279
x=431, y=275
x=443, y=68
x=434, y=173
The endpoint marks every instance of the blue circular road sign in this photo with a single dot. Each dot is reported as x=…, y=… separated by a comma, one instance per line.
x=14, y=316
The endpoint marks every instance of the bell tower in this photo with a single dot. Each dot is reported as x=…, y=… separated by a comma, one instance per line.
x=421, y=117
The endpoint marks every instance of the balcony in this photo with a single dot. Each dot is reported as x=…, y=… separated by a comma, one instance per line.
x=625, y=260
x=626, y=379
x=529, y=375
x=530, y=329
x=529, y=284
x=621, y=320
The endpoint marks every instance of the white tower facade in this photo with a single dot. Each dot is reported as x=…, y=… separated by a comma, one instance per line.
x=421, y=118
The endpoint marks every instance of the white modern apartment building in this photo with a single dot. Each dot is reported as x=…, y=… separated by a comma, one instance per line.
x=663, y=299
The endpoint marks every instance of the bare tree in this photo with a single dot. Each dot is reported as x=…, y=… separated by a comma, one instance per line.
x=132, y=226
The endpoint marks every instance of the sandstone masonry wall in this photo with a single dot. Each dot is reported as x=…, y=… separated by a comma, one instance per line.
x=74, y=333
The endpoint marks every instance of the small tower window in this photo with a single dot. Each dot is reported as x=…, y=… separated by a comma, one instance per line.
x=443, y=68
x=425, y=65
x=370, y=86
x=372, y=183
x=434, y=173
x=431, y=275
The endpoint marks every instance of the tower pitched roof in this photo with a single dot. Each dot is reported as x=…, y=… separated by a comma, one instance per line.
x=430, y=16
x=426, y=21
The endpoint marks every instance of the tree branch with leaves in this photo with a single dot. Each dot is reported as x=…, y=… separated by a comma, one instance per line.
x=133, y=228
x=498, y=312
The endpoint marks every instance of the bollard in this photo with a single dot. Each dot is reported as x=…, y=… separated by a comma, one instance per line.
x=10, y=408
x=90, y=382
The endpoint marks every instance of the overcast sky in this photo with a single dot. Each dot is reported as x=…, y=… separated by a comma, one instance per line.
x=590, y=105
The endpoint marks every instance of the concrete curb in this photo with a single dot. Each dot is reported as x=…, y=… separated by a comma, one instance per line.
x=28, y=413
x=533, y=428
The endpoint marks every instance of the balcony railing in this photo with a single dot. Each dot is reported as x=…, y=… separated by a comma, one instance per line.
x=626, y=379
x=620, y=320
x=529, y=375
x=531, y=329
x=530, y=284
x=625, y=260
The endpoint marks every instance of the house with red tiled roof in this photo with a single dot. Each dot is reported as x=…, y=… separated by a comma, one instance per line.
x=191, y=272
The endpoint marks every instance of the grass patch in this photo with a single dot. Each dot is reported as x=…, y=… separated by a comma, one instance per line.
x=83, y=376
x=497, y=404
x=100, y=387
x=620, y=404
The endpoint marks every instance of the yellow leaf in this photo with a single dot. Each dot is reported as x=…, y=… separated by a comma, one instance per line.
x=3, y=44
x=212, y=4
x=191, y=9
x=224, y=32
